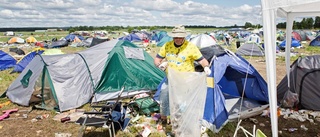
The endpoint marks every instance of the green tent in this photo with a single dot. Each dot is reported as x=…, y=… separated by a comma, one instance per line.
x=127, y=66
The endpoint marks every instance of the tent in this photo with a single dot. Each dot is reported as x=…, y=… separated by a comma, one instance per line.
x=96, y=41
x=25, y=60
x=231, y=76
x=131, y=37
x=6, y=60
x=250, y=49
x=59, y=43
x=31, y=39
x=304, y=82
x=127, y=66
x=16, y=40
x=157, y=36
x=296, y=36
x=203, y=40
x=254, y=38
x=294, y=43
x=315, y=42
x=164, y=40
x=290, y=9
x=68, y=81
x=74, y=38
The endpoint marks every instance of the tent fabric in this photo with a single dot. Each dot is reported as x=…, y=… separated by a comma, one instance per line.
x=254, y=38
x=304, y=75
x=296, y=36
x=294, y=43
x=290, y=9
x=73, y=37
x=164, y=40
x=231, y=75
x=315, y=42
x=157, y=36
x=250, y=49
x=96, y=41
x=131, y=37
x=59, y=43
x=73, y=78
x=16, y=40
x=31, y=39
x=203, y=40
x=6, y=61
x=19, y=67
x=133, y=74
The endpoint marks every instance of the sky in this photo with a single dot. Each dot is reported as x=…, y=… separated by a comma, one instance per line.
x=65, y=13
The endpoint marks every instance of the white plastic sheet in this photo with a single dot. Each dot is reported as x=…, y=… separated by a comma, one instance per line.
x=187, y=95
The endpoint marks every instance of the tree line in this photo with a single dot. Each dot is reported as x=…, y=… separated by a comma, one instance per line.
x=305, y=23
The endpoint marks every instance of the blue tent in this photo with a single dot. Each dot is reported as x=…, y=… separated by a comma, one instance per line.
x=71, y=37
x=315, y=42
x=19, y=67
x=294, y=43
x=6, y=61
x=159, y=35
x=131, y=37
x=231, y=75
x=164, y=40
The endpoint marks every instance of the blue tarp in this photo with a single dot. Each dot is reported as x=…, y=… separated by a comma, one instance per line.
x=19, y=67
x=294, y=43
x=6, y=61
x=315, y=42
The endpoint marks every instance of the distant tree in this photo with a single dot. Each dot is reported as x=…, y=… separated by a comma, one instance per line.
x=247, y=25
x=91, y=28
x=309, y=23
x=71, y=30
x=130, y=29
x=317, y=22
x=258, y=26
x=303, y=24
x=153, y=28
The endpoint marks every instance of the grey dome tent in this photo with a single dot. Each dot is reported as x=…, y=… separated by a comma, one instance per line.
x=250, y=49
x=304, y=81
x=67, y=81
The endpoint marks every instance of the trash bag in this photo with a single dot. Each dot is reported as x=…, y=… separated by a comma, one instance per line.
x=290, y=99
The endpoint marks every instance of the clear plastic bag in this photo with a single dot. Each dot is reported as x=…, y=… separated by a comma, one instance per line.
x=290, y=99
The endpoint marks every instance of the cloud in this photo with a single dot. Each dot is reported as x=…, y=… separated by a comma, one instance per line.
x=50, y=13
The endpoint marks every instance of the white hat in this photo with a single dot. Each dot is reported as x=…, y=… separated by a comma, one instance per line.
x=178, y=31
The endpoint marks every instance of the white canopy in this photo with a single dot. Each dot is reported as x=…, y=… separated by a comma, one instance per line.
x=288, y=9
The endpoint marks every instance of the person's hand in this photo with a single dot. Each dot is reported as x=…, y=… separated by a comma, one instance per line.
x=207, y=70
x=163, y=66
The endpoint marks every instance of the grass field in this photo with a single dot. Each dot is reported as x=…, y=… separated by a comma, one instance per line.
x=48, y=127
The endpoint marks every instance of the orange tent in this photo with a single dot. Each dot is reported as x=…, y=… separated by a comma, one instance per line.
x=15, y=40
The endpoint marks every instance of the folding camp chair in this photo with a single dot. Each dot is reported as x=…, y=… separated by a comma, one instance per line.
x=105, y=116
